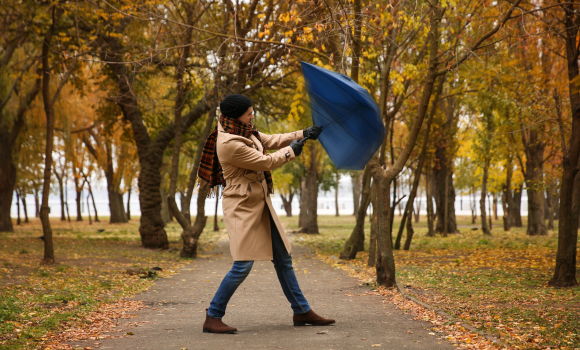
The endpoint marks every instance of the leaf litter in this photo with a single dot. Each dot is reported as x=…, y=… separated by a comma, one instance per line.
x=496, y=285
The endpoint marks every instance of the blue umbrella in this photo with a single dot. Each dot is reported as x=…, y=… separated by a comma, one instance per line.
x=352, y=129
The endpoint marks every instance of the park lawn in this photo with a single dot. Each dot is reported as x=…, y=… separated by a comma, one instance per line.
x=90, y=273
x=497, y=284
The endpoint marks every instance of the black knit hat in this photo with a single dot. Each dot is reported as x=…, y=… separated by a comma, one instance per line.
x=234, y=106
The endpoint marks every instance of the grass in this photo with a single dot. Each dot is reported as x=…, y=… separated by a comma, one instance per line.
x=90, y=270
x=496, y=283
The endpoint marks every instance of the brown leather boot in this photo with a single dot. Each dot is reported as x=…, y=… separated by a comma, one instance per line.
x=311, y=318
x=215, y=325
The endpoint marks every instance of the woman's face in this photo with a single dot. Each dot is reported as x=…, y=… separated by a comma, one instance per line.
x=247, y=117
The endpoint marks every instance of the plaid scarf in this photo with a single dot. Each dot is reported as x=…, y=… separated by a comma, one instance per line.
x=210, y=169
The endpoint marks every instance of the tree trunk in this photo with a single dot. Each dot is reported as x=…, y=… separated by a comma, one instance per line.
x=556, y=201
x=482, y=205
x=444, y=198
x=116, y=205
x=7, y=182
x=93, y=200
x=62, y=209
x=385, y=267
x=23, y=199
x=79, y=191
x=494, y=197
x=565, y=269
x=385, y=264
x=190, y=235
x=89, y=210
x=61, y=190
x=164, y=207
x=373, y=239
x=506, y=196
x=8, y=137
x=356, y=190
x=356, y=240
x=489, y=216
x=336, y=195
x=287, y=203
x=48, y=110
x=303, y=203
x=311, y=223
x=394, y=202
x=18, y=221
x=418, y=211
x=66, y=202
x=473, y=205
x=36, y=204
x=444, y=191
x=534, y=178
x=489, y=126
x=545, y=201
x=429, y=204
x=516, y=211
x=550, y=207
x=446, y=207
x=129, y=204
x=410, y=233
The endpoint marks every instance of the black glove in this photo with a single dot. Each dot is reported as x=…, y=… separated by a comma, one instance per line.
x=296, y=147
x=312, y=132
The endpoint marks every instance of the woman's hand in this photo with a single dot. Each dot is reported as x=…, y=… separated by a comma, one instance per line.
x=312, y=132
x=296, y=147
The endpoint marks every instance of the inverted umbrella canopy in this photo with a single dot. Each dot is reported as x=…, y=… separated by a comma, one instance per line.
x=352, y=129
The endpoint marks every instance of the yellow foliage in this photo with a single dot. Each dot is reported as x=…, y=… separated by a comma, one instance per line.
x=447, y=3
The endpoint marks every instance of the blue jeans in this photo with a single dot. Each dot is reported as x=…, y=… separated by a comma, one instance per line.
x=241, y=269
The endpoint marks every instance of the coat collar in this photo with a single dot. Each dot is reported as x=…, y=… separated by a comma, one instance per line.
x=253, y=140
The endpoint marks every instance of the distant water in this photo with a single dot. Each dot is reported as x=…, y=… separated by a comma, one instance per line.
x=326, y=204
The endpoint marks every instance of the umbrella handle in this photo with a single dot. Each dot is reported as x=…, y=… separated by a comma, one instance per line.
x=307, y=138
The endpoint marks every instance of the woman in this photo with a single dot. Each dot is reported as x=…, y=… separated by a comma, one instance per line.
x=234, y=156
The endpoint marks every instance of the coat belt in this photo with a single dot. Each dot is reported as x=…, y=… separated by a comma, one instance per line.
x=246, y=179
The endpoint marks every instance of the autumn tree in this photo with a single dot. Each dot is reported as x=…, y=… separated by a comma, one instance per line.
x=565, y=269
x=20, y=83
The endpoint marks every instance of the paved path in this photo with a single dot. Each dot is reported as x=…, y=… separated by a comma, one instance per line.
x=263, y=316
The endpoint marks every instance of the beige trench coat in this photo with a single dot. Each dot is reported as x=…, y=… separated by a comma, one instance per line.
x=246, y=202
